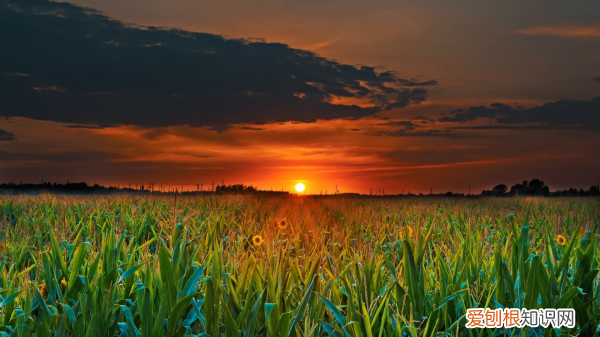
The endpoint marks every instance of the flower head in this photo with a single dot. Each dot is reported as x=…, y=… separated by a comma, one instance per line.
x=282, y=224
x=43, y=289
x=410, y=230
x=561, y=240
x=257, y=240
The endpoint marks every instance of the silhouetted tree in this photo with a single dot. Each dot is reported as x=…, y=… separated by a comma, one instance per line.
x=535, y=187
x=499, y=190
x=235, y=189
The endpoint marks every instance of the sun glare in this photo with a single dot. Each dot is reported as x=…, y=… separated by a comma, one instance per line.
x=300, y=187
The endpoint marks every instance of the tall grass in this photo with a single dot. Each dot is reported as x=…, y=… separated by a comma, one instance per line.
x=144, y=266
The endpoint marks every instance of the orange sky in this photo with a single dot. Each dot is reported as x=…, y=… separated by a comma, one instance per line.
x=320, y=155
x=519, y=54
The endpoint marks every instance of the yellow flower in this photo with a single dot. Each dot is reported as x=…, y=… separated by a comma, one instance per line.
x=410, y=231
x=561, y=240
x=64, y=283
x=257, y=240
x=43, y=289
x=282, y=224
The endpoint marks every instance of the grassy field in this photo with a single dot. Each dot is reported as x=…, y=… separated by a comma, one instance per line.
x=292, y=266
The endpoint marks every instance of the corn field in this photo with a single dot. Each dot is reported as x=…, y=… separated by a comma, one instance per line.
x=292, y=266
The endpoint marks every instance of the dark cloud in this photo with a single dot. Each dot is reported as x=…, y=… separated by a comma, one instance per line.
x=6, y=136
x=251, y=128
x=406, y=125
x=472, y=113
x=423, y=120
x=87, y=126
x=560, y=115
x=425, y=133
x=563, y=114
x=415, y=83
x=74, y=65
x=61, y=157
x=514, y=127
x=596, y=79
x=413, y=128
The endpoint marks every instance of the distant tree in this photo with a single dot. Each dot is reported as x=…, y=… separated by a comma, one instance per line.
x=235, y=189
x=499, y=190
x=536, y=183
x=533, y=188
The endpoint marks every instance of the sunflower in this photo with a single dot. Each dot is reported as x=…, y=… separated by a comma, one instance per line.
x=282, y=224
x=43, y=289
x=257, y=240
x=561, y=240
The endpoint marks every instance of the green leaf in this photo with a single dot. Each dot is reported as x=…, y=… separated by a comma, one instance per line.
x=9, y=298
x=167, y=276
x=74, y=267
x=300, y=311
x=128, y=273
x=178, y=312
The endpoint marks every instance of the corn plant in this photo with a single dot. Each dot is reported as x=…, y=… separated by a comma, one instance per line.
x=292, y=266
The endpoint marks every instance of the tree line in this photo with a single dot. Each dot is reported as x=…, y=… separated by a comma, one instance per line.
x=536, y=187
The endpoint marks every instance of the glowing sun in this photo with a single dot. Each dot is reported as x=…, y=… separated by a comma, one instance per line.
x=300, y=187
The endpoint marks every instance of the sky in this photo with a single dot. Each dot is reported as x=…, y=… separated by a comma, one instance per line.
x=401, y=96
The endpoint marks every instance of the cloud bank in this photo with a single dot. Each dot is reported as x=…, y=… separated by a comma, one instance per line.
x=70, y=64
x=563, y=114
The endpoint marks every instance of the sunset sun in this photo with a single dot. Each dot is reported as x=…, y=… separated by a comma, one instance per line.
x=300, y=187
